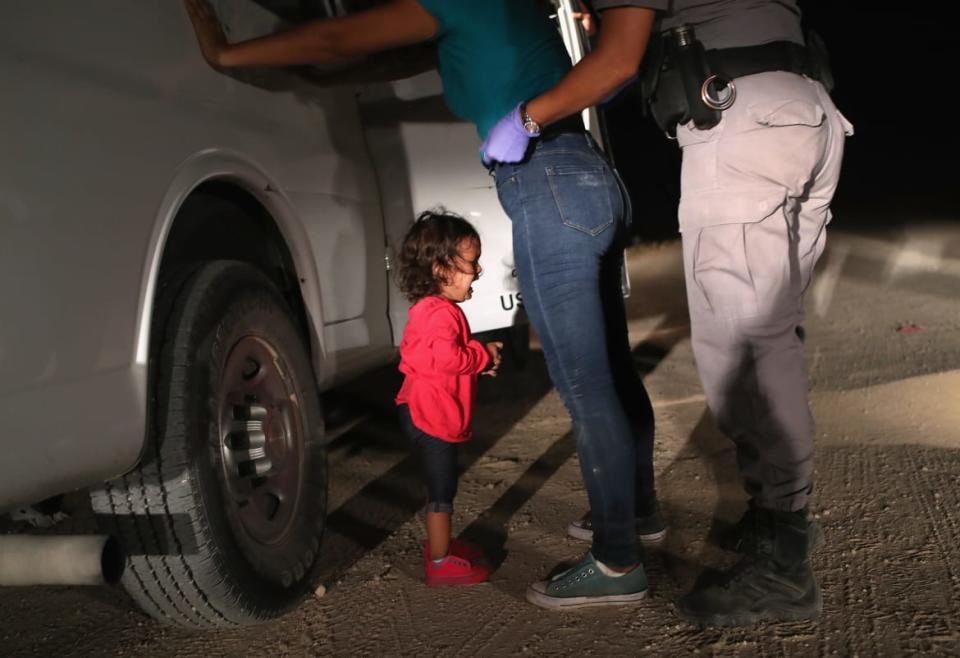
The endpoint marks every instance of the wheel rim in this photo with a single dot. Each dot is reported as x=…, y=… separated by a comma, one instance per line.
x=261, y=441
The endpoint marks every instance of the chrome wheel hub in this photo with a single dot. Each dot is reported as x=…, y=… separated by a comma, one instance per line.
x=261, y=440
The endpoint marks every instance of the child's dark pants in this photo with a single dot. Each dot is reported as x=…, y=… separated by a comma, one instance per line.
x=438, y=461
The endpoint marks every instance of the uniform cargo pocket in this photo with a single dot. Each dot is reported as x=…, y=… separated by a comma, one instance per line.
x=733, y=205
x=689, y=135
x=583, y=196
x=740, y=258
x=847, y=126
x=786, y=113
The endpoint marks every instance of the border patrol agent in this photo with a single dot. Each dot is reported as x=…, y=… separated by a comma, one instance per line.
x=746, y=96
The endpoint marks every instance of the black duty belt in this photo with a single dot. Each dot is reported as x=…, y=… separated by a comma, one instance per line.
x=681, y=81
x=733, y=63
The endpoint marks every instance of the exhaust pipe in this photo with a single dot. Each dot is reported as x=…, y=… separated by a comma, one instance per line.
x=60, y=560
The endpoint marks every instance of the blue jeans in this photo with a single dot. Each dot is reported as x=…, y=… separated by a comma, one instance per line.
x=570, y=213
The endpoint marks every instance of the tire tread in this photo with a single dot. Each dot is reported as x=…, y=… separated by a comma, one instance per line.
x=190, y=590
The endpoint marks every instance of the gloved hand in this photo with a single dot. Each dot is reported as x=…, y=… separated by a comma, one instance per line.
x=507, y=141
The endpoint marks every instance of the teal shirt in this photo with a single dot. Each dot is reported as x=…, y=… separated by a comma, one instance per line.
x=495, y=54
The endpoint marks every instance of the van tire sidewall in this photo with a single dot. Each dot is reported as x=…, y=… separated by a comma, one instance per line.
x=186, y=564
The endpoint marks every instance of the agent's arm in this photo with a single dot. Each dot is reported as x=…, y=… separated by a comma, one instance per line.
x=394, y=24
x=624, y=34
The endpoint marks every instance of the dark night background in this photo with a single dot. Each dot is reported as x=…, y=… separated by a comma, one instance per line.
x=892, y=82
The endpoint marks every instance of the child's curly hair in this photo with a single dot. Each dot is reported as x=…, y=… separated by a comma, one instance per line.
x=432, y=240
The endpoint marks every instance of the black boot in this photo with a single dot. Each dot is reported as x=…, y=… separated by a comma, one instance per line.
x=742, y=537
x=773, y=581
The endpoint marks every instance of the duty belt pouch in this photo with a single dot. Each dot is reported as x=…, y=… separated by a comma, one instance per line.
x=675, y=70
x=660, y=86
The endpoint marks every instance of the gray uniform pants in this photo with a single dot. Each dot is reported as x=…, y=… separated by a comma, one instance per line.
x=755, y=196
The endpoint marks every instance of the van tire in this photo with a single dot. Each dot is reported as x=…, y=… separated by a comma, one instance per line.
x=221, y=520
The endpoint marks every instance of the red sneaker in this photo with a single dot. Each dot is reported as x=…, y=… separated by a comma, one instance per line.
x=454, y=570
x=458, y=547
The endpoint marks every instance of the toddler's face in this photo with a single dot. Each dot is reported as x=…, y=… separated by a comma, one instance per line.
x=455, y=282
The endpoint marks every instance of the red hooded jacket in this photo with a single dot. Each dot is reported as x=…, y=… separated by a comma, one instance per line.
x=441, y=363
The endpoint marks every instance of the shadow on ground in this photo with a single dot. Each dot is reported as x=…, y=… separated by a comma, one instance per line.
x=396, y=496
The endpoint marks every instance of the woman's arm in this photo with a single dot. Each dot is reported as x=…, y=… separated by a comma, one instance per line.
x=393, y=64
x=396, y=23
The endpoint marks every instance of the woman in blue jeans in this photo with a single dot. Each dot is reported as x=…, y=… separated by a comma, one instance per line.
x=569, y=213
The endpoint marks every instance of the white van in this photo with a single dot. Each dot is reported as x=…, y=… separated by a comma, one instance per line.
x=187, y=259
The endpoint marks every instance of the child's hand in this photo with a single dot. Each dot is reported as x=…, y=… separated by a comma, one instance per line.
x=493, y=348
x=210, y=34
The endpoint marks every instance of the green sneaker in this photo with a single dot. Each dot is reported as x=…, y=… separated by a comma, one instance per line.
x=585, y=585
x=650, y=528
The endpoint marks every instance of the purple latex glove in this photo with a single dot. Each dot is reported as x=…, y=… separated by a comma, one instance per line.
x=507, y=141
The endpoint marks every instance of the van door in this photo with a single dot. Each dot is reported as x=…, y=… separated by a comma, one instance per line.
x=427, y=158
x=340, y=204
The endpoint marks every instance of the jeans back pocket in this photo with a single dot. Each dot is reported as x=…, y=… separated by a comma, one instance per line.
x=583, y=196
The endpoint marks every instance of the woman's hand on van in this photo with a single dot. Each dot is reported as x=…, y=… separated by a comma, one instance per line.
x=210, y=34
x=387, y=25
